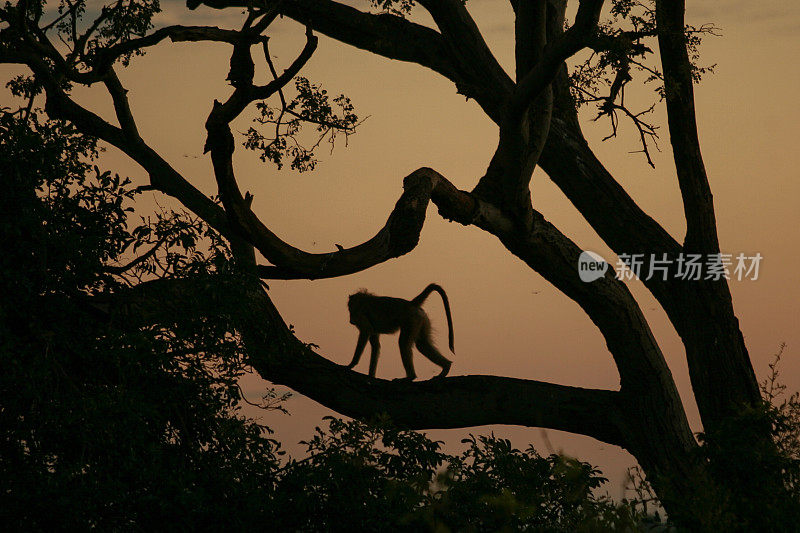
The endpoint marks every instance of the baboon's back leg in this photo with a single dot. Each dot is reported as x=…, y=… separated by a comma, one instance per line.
x=427, y=349
x=407, y=336
x=425, y=346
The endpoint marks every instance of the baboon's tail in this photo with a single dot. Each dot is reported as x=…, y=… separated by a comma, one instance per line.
x=420, y=299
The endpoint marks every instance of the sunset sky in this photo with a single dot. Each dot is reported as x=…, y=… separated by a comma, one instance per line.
x=508, y=320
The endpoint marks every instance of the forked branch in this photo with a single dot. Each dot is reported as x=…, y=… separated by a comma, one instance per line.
x=567, y=45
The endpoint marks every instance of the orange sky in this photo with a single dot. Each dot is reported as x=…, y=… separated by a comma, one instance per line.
x=508, y=320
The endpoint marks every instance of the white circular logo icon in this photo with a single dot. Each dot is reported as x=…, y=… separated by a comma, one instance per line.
x=591, y=266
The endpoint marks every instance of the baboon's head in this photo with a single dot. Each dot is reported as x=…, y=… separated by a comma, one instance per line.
x=355, y=304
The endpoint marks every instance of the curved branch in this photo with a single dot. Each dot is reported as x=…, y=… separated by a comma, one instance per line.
x=571, y=164
x=567, y=158
x=398, y=236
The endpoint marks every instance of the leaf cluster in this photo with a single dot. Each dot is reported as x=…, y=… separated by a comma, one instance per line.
x=394, y=7
x=104, y=423
x=311, y=105
x=763, y=474
x=85, y=28
x=622, y=52
x=374, y=477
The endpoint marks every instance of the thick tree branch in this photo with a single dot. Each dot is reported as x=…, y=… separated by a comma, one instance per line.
x=522, y=133
x=465, y=40
x=530, y=34
x=698, y=204
x=621, y=223
x=278, y=356
x=463, y=401
x=613, y=214
x=645, y=379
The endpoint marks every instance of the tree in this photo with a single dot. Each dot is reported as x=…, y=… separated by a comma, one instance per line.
x=536, y=115
x=108, y=424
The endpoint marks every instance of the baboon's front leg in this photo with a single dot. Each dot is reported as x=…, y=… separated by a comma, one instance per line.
x=362, y=342
x=375, y=344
